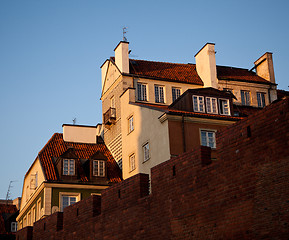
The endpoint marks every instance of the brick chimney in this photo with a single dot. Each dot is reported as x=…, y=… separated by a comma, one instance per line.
x=206, y=65
x=264, y=67
x=121, y=57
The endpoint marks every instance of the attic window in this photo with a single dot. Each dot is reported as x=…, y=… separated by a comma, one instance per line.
x=98, y=168
x=198, y=102
x=68, y=167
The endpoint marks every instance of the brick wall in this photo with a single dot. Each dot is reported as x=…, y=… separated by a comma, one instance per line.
x=244, y=195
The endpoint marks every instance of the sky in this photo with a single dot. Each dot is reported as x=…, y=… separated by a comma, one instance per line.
x=51, y=53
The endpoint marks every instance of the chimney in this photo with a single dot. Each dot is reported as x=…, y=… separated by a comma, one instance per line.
x=121, y=57
x=206, y=65
x=264, y=67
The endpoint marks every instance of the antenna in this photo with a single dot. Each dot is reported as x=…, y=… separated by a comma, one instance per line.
x=74, y=121
x=8, y=192
x=124, y=31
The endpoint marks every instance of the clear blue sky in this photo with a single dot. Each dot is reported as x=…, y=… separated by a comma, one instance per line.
x=51, y=53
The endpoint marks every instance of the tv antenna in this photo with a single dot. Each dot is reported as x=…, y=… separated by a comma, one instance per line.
x=9, y=190
x=74, y=121
x=124, y=32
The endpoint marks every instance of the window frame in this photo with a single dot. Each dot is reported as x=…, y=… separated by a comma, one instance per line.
x=132, y=162
x=211, y=105
x=68, y=194
x=221, y=109
x=130, y=124
x=142, y=91
x=199, y=105
x=146, y=152
x=246, y=97
x=159, y=93
x=207, y=137
x=13, y=226
x=175, y=95
x=261, y=101
x=68, y=167
x=99, y=168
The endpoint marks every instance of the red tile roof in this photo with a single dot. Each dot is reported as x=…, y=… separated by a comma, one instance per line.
x=187, y=73
x=56, y=146
x=175, y=72
x=241, y=74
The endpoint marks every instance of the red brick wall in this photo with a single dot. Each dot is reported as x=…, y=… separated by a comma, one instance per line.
x=244, y=195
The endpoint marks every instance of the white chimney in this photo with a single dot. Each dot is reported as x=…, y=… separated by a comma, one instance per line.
x=121, y=57
x=80, y=133
x=264, y=67
x=206, y=65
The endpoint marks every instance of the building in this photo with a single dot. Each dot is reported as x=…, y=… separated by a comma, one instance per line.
x=137, y=93
x=8, y=224
x=70, y=167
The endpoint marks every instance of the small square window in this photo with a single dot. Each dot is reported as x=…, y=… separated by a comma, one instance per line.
x=198, y=103
x=68, y=167
x=132, y=162
x=224, y=106
x=208, y=138
x=98, y=168
x=146, y=152
x=159, y=94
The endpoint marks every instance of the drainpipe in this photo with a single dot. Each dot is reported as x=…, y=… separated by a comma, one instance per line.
x=183, y=133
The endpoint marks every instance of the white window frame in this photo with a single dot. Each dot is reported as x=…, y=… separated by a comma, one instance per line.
x=130, y=124
x=70, y=172
x=141, y=91
x=176, y=93
x=13, y=226
x=159, y=94
x=67, y=194
x=100, y=165
x=211, y=105
x=261, y=99
x=245, y=97
x=207, y=131
x=198, y=103
x=146, y=152
x=223, y=109
x=132, y=163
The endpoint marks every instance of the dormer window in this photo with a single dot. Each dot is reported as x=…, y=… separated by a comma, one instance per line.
x=198, y=102
x=224, y=106
x=68, y=167
x=211, y=105
x=98, y=168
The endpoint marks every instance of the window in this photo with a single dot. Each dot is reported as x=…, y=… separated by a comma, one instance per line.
x=159, y=94
x=176, y=92
x=141, y=92
x=67, y=199
x=130, y=124
x=119, y=162
x=98, y=168
x=211, y=105
x=224, y=106
x=132, y=162
x=261, y=99
x=146, y=152
x=245, y=98
x=68, y=166
x=208, y=138
x=112, y=102
x=14, y=227
x=198, y=102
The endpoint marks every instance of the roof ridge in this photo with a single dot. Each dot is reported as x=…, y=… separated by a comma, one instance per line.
x=162, y=62
x=50, y=140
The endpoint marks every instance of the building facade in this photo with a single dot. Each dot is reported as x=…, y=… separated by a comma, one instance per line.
x=136, y=93
x=70, y=167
